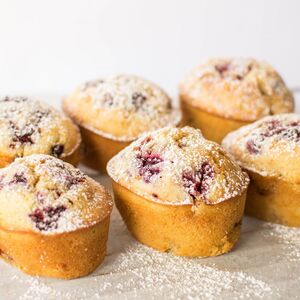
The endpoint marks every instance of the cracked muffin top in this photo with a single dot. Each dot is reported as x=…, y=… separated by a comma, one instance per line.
x=121, y=107
x=177, y=166
x=29, y=126
x=42, y=194
x=270, y=146
x=239, y=89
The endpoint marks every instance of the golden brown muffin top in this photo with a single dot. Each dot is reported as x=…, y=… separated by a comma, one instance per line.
x=270, y=146
x=29, y=126
x=121, y=107
x=42, y=194
x=177, y=166
x=239, y=89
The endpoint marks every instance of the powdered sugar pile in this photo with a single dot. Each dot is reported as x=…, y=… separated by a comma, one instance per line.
x=197, y=282
x=133, y=271
x=180, y=277
x=39, y=290
x=288, y=236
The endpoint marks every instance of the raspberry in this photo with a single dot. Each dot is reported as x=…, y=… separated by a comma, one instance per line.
x=149, y=165
x=18, y=178
x=47, y=218
x=197, y=183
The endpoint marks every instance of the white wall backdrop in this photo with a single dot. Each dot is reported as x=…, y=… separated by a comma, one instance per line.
x=51, y=46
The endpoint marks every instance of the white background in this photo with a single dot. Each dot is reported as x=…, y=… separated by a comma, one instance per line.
x=51, y=46
x=47, y=47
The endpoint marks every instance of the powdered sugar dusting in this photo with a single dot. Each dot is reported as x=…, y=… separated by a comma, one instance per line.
x=127, y=92
x=164, y=272
x=135, y=101
x=54, y=196
x=178, y=166
x=268, y=139
x=259, y=268
x=37, y=289
x=133, y=271
x=288, y=236
x=195, y=282
x=239, y=88
x=22, y=128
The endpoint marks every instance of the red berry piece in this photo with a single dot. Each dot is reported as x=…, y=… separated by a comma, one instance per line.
x=197, y=183
x=13, y=99
x=138, y=99
x=72, y=179
x=108, y=99
x=18, y=178
x=222, y=68
x=289, y=131
x=149, y=165
x=274, y=127
x=47, y=218
x=24, y=137
x=252, y=147
x=1, y=182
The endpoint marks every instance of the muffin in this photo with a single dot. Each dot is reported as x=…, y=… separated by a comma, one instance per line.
x=178, y=192
x=269, y=150
x=112, y=112
x=53, y=219
x=28, y=127
x=224, y=94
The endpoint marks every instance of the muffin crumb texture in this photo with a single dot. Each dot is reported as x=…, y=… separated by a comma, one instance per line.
x=178, y=166
x=270, y=146
x=43, y=194
x=28, y=127
x=121, y=107
x=240, y=89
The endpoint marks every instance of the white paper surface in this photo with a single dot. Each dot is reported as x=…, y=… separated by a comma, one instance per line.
x=265, y=264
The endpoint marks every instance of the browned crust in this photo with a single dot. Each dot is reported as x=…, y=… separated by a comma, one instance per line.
x=67, y=255
x=206, y=230
x=187, y=100
x=271, y=199
x=5, y=160
x=98, y=150
x=213, y=127
x=73, y=158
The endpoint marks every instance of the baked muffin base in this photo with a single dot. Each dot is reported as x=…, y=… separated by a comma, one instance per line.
x=66, y=255
x=98, y=150
x=213, y=127
x=273, y=200
x=72, y=158
x=209, y=230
